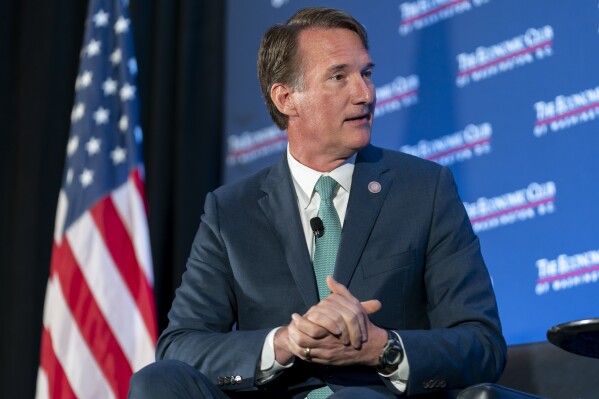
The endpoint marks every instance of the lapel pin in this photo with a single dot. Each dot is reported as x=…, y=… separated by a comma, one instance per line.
x=374, y=187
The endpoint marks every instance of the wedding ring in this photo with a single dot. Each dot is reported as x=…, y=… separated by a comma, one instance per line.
x=307, y=353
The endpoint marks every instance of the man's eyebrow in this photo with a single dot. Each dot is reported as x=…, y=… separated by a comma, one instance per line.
x=337, y=68
x=370, y=65
x=341, y=67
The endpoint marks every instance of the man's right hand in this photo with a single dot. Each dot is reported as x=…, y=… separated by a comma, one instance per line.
x=342, y=315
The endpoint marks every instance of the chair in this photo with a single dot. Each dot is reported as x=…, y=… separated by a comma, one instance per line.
x=580, y=337
x=493, y=391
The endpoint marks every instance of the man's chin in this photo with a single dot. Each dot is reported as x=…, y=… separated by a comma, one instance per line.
x=361, y=140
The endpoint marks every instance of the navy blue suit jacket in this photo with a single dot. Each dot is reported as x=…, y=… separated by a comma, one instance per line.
x=411, y=246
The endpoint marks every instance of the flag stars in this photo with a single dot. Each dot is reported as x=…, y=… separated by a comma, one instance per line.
x=123, y=123
x=101, y=116
x=93, y=48
x=109, y=86
x=86, y=177
x=118, y=155
x=72, y=145
x=116, y=56
x=127, y=92
x=93, y=146
x=78, y=112
x=100, y=18
x=84, y=80
x=121, y=25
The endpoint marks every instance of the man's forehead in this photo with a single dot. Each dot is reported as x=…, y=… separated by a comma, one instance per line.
x=333, y=46
x=315, y=35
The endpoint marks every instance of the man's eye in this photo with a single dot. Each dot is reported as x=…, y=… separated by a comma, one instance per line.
x=367, y=74
x=337, y=77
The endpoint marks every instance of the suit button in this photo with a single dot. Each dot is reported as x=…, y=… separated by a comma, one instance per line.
x=430, y=384
x=237, y=379
x=220, y=381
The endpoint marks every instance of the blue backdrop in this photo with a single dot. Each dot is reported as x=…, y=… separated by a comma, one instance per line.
x=503, y=92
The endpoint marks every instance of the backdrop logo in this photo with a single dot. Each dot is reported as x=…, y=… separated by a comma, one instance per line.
x=486, y=62
x=567, y=271
x=566, y=111
x=400, y=93
x=419, y=14
x=517, y=206
x=473, y=141
x=249, y=146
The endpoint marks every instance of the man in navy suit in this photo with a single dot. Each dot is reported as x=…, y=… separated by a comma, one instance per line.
x=410, y=307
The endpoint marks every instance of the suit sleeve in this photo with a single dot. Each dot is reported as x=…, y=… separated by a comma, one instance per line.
x=464, y=344
x=201, y=330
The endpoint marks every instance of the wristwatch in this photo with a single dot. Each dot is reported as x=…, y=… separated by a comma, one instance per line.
x=391, y=356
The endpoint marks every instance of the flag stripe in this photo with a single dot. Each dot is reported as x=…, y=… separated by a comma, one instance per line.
x=139, y=184
x=81, y=369
x=110, y=291
x=112, y=230
x=91, y=323
x=139, y=216
x=61, y=211
x=130, y=204
x=55, y=385
x=42, y=390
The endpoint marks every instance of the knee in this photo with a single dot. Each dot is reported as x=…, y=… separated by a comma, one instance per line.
x=145, y=380
x=159, y=380
x=360, y=393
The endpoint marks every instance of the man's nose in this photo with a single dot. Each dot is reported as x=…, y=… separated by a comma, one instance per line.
x=363, y=91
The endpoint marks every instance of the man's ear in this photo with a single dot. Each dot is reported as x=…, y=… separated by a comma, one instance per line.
x=282, y=97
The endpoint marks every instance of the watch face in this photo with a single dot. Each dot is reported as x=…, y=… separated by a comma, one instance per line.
x=393, y=354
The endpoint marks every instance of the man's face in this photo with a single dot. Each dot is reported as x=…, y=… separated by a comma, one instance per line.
x=334, y=110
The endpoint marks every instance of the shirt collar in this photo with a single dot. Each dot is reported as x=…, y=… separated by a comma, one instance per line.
x=305, y=178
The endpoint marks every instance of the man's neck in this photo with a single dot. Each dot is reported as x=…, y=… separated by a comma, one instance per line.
x=321, y=163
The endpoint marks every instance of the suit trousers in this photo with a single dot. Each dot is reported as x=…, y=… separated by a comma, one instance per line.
x=166, y=379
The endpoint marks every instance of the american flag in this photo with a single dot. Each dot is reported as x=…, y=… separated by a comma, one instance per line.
x=99, y=323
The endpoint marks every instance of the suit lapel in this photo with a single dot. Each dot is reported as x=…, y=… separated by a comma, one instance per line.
x=280, y=207
x=362, y=210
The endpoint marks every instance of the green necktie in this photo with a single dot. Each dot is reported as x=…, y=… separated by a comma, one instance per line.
x=327, y=245
x=325, y=253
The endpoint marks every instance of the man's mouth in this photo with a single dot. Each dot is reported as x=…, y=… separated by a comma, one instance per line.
x=364, y=117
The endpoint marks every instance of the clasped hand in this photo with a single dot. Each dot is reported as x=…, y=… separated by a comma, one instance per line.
x=337, y=331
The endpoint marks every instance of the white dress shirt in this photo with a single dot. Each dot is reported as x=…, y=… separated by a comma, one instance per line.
x=308, y=200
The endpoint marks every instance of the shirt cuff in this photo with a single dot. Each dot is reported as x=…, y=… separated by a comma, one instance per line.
x=269, y=368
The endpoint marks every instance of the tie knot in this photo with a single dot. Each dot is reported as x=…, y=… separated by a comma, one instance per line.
x=325, y=187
